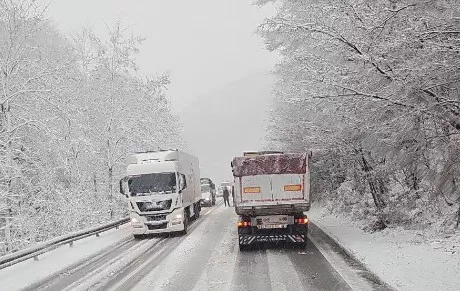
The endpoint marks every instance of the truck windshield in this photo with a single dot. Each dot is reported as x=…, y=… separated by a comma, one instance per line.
x=152, y=183
x=205, y=188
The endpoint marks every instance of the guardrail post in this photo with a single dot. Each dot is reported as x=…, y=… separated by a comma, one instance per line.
x=36, y=258
x=97, y=234
x=117, y=227
x=71, y=244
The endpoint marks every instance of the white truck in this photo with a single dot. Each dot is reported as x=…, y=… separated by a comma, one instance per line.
x=271, y=194
x=163, y=191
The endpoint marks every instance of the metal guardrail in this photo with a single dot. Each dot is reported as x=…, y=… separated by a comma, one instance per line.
x=43, y=247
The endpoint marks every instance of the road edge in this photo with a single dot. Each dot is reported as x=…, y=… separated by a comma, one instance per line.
x=361, y=269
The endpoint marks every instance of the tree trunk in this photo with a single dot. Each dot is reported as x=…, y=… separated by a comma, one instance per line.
x=110, y=181
x=375, y=185
x=95, y=184
x=458, y=217
x=457, y=224
x=6, y=122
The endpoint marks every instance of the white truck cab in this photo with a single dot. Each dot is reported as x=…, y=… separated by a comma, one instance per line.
x=163, y=191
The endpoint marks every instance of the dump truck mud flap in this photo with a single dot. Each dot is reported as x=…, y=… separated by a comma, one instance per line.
x=248, y=239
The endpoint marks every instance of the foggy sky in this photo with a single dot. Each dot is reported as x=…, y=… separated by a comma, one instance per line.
x=206, y=45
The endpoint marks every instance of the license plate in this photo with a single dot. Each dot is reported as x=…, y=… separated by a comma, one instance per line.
x=274, y=219
x=270, y=226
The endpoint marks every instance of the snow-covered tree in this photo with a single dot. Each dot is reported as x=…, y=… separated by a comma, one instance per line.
x=374, y=87
x=70, y=110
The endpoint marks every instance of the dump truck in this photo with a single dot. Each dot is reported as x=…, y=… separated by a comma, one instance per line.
x=271, y=196
x=163, y=191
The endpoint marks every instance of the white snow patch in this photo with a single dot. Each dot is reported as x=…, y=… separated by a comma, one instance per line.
x=28, y=272
x=405, y=259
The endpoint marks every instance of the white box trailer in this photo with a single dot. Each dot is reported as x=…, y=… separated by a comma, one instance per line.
x=271, y=194
x=163, y=191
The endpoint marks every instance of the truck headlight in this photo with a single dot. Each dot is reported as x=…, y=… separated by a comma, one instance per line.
x=178, y=216
x=134, y=220
x=207, y=198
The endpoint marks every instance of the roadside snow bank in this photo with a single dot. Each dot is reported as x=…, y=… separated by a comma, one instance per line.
x=28, y=272
x=405, y=259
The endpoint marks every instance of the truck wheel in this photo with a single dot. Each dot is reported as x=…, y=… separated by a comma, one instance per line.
x=302, y=245
x=244, y=248
x=184, y=232
x=197, y=210
x=138, y=236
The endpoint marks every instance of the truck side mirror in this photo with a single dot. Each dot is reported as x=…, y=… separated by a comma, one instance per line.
x=122, y=191
x=122, y=186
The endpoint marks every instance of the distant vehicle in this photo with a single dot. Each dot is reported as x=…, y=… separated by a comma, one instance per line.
x=226, y=184
x=271, y=200
x=208, y=192
x=163, y=191
x=208, y=195
x=220, y=192
x=207, y=181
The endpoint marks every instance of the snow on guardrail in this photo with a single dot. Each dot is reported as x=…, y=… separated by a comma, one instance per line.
x=43, y=247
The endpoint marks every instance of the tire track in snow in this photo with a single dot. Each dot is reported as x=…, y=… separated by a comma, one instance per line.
x=283, y=275
x=216, y=273
x=94, y=279
x=61, y=279
x=141, y=276
x=251, y=271
x=206, y=241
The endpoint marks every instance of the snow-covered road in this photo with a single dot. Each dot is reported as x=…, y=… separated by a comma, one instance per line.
x=207, y=258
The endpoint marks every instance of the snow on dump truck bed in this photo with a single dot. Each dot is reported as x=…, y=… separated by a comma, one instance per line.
x=293, y=163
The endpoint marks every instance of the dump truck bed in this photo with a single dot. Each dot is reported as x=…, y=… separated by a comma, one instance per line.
x=271, y=184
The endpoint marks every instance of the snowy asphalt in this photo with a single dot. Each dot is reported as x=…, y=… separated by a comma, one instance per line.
x=207, y=258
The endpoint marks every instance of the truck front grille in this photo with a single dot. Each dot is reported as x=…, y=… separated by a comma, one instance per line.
x=154, y=206
x=160, y=226
x=156, y=217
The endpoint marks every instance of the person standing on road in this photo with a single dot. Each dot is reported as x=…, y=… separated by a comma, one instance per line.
x=225, y=194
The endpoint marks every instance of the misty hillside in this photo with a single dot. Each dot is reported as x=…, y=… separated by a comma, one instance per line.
x=228, y=120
